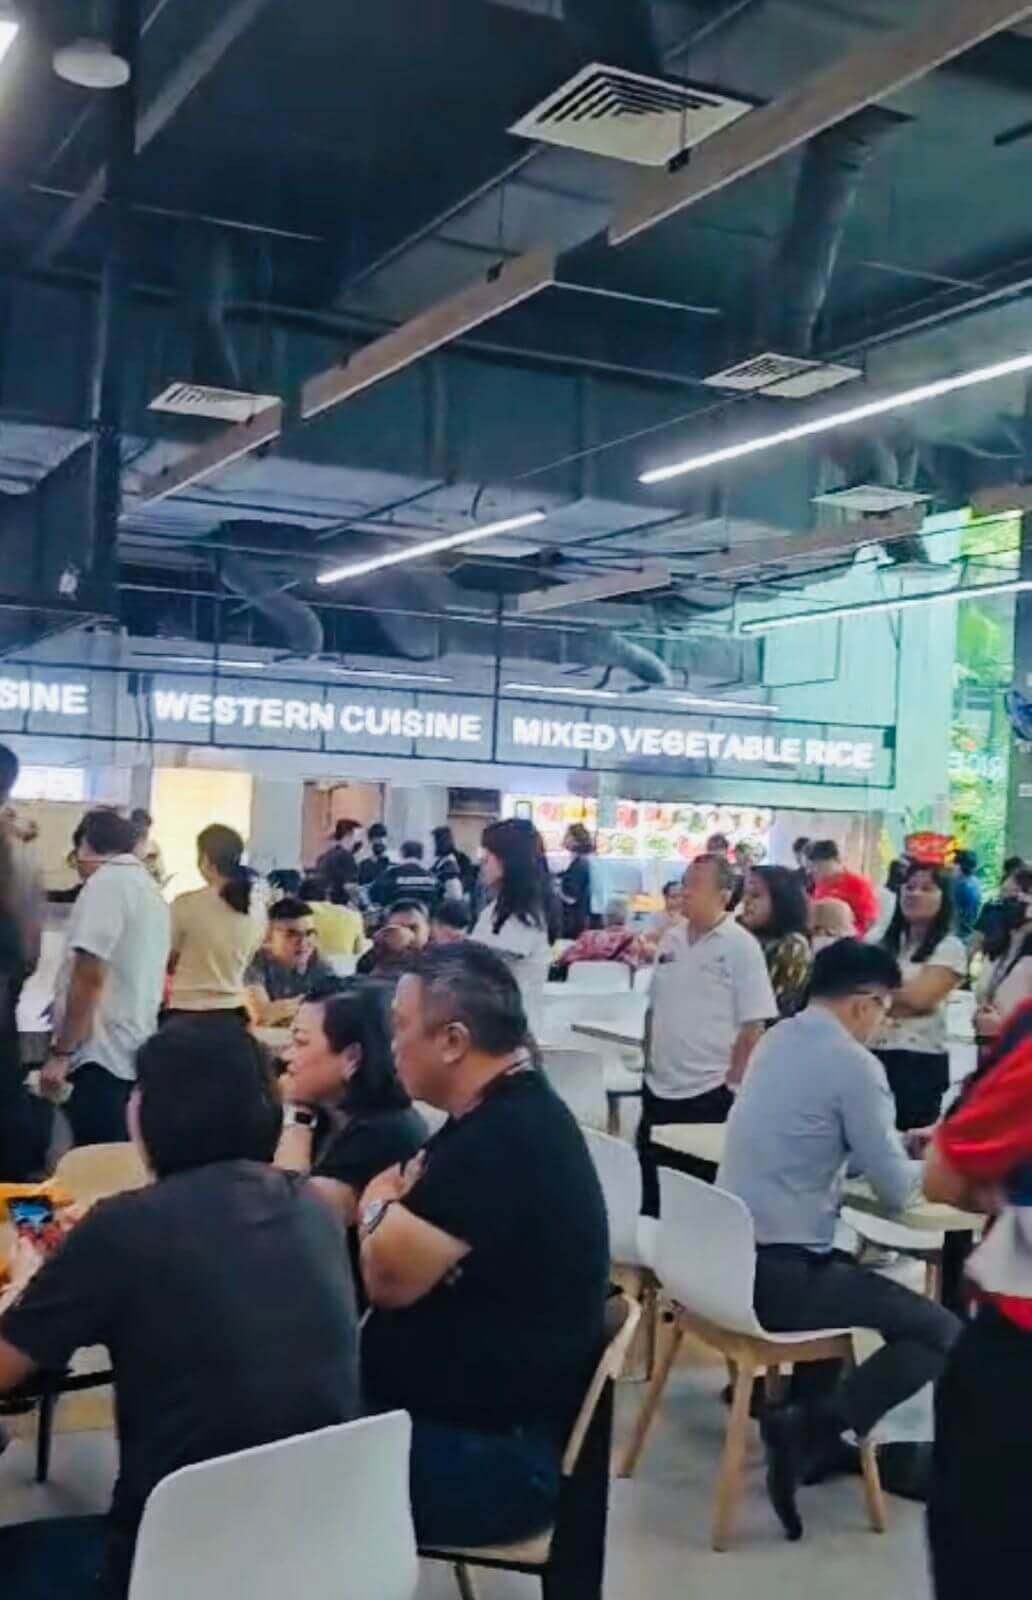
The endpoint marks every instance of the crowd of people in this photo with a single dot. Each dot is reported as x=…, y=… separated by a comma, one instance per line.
x=294, y=1197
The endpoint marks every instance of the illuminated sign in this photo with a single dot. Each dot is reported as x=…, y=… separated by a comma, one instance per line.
x=273, y=713
x=631, y=740
x=44, y=695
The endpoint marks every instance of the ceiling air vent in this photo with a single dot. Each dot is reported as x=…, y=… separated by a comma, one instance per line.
x=870, y=498
x=610, y=112
x=202, y=400
x=784, y=377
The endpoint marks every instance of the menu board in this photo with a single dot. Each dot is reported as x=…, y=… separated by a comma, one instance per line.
x=644, y=830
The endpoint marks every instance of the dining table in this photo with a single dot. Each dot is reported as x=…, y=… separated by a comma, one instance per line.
x=705, y=1142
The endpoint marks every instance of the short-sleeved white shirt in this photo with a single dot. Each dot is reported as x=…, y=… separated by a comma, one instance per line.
x=926, y=1035
x=121, y=918
x=702, y=993
x=525, y=949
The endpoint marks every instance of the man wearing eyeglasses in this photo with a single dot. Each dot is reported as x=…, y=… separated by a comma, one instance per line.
x=814, y=1101
x=287, y=966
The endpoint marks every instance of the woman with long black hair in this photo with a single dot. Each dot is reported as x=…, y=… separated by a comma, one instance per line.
x=347, y=1115
x=1006, y=979
x=515, y=922
x=575, y=882
x=911, y=1045
x=215, y=930
x=776, y=910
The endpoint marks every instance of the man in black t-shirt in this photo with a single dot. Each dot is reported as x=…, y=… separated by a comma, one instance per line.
x=486, y=1261
x=407, y=879
x=222, y=1292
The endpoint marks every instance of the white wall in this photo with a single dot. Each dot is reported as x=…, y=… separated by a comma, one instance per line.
x=275, y=824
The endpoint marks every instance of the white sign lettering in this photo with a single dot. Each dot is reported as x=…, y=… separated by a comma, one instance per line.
x=541, y=733
x=37, y=694
x=319, y=716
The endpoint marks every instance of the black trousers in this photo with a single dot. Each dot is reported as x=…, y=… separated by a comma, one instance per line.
x=918, y=1082
x=714, y=1106
x=980, y=1510
x=96, y=1107
x=798, y=1289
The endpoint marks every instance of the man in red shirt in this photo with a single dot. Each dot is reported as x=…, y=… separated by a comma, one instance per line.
x=834, y=881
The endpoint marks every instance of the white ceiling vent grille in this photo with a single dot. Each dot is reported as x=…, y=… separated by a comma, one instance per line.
x=870, y=498
x=610, y=112
x=202, y=400
x=784, y=377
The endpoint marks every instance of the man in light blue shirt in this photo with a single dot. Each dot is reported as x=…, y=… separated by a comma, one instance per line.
x=815, y=1100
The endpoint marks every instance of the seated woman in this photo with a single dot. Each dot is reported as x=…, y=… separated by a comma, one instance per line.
x=346, y=1116
x=775, y=909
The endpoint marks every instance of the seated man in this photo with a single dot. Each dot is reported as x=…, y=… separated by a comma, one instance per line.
x=486, y=1261
x=398, y=943
x=339, y=928
x=450, y=922
x=286, y=966
x=199, y=1286
x=613, y=942
x=815, y=1099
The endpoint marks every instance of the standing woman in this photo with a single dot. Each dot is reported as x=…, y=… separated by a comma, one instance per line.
x=347, y=1116
x=911, y=1045
x=446, y=868
x=1006, y=978
x=215, y=930
x=514, y=923
x=575, y=883
x=776, y=910
x=981, y=1160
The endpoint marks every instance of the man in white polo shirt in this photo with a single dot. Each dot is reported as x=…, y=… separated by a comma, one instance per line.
x=109, y=985
x=710, y=1000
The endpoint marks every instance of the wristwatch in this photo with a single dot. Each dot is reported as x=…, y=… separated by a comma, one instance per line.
x=299, y=1117
x=372, y=1215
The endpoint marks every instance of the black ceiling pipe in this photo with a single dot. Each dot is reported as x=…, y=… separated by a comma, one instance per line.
x=299, y=625
x=829, y=180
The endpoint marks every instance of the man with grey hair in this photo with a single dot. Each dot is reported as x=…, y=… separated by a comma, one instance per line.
x=710, y=1000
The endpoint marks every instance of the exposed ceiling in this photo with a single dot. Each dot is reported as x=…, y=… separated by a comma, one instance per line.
x=309, y=177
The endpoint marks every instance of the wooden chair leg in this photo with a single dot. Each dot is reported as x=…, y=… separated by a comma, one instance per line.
x=729, y=1478
x=649, y=1320
x=873, y=1493
x=653, y=1394
x=933, y=1278
x=773, y=1385
x=464, y=1579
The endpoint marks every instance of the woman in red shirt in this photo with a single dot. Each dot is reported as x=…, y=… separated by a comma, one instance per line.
x=980, y=1510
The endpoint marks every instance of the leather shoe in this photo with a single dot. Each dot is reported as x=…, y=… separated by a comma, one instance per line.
x=784, y=1434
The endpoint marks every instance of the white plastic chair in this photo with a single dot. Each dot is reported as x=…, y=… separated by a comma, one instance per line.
x=920, y=1243
x=632, y=1237
x=602, y=977
x=578, y=1077
x=706, y=1266
x=325, y=1516
x=642, y=981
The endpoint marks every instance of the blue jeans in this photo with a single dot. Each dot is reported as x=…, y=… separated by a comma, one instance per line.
x=472, y=1488
x=60, y=1558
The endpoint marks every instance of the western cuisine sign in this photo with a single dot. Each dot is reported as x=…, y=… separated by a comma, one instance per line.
x=297, y=715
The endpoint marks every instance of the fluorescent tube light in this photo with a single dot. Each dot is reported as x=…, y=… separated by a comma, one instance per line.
x=8, y=34
x=204, y=661
x=758, y=708
x=935, y=597
x=840, y=419
x=548, y=688
x=398, y=677
x=412, y=552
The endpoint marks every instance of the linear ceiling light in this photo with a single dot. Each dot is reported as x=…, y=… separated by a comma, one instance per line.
x=413, y=552
x=8, y=34
x=935, y=597
x=758, y=709
x=840, y=419
x=548, y=688
x=407, y=677
x=223, y=662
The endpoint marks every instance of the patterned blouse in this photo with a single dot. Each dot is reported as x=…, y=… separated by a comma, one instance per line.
x=789, y=960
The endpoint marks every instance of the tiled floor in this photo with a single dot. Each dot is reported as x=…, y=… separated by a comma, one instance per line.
x=658, y=1546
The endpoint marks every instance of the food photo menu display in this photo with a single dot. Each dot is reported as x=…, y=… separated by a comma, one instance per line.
x=644, y=830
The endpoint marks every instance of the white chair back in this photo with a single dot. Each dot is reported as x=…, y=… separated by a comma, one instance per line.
x=93, y=1172
x=343, y=966
x=325, y=1515
x=706, y=1251
x=433, y=1116
x=619, y=1173
x=601, y=977
x=578, y=1077
x=643, y=980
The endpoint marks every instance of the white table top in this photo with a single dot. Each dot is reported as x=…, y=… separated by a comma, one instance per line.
x=629, y=1034
x=705, y=1141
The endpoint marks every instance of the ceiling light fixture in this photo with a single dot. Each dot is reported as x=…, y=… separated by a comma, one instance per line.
x=205, y=661
x=758, y=708
x=840, y=419
x=413, y=552
x=700, y=701
x=407, y=677
x=901, y=603
x=8, y=34
x=548, y=688
x=91, y=64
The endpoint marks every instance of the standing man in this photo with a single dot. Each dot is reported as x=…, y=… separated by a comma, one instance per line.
x=408, y=879
x=967, y=894
x=110, y=981
x=337, y=866
x=378, y=860
x=710, y=999
x=832, y=880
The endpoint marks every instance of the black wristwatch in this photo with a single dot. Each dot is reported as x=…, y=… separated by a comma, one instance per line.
x=300, y=1117
x=372, y=1215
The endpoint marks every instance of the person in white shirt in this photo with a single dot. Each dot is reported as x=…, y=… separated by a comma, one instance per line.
x=110, y=981
x=514, y=922
x=911, y=1045
x=710, y=1000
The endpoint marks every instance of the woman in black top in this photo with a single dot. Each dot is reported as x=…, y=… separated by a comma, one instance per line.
x=575, y=883
x=346, y=1115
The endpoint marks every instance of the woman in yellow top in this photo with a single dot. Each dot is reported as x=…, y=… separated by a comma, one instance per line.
x=215, y=930
x=339, y=929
